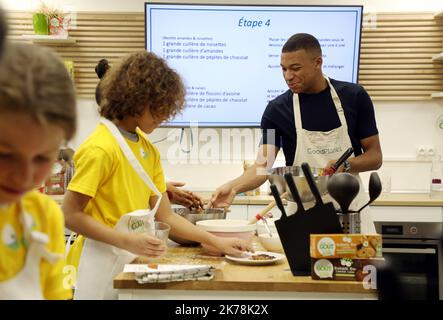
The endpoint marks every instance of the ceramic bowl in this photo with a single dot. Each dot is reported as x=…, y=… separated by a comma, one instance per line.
x=270, y=243
x=194, y=217
x=229, y=228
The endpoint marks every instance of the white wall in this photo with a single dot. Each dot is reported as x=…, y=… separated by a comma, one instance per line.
x=137, y=5
x=403, y=126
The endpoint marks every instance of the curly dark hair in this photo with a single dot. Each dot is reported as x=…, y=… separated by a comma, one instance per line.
x=101, y=68
x=142, y=80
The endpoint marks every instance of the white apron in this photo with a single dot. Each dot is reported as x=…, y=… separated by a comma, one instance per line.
x=100, y=263
x=318, y=147
x=26, y=283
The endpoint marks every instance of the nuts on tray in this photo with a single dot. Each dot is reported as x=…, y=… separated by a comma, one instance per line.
x=261, y=256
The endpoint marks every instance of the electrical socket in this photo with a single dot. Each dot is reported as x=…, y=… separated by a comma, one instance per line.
x=430, y=152
x=421, y=152
x=424, y=152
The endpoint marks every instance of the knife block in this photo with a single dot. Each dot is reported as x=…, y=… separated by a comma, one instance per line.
x=295, y=230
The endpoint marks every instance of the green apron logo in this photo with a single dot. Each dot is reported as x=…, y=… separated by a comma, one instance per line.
x=136, y=225
x=440, y=122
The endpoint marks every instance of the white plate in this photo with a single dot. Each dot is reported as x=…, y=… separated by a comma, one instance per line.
x=248, y=260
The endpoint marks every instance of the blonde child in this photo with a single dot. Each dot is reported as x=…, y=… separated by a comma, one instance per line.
x=37, y=114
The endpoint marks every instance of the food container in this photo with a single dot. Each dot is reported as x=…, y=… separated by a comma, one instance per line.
x=194, y=216
x=354, y=246
x=272, y=244
x=345, y=269
x=227, y=228
x=206, y=214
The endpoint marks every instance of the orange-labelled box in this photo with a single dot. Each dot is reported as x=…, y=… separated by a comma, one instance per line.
x=353, y=246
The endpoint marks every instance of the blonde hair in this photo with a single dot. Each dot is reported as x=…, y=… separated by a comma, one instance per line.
x=35, y=82
x=141, y=81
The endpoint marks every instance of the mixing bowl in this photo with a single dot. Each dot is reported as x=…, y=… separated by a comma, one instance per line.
x=276, y=176
x=227, y=228
x=193, y=217
x=270, y=243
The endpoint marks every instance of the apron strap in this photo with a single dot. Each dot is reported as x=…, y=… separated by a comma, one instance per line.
x=337, y=104
x=132, y=159
x=37, y=241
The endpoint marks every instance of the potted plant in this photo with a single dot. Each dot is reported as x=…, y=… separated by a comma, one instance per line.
x=58, y=23
x=40, y=20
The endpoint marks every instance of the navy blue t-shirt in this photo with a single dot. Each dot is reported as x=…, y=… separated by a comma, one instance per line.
x=319, y=114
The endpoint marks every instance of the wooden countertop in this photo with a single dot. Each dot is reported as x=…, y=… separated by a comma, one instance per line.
x=390, y=199
x=229, y=276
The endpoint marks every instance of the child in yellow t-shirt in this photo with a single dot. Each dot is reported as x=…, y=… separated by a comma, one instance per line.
x=136, y=96
x=37, y=114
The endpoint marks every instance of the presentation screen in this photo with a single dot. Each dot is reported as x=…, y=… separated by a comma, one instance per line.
x=229, y=55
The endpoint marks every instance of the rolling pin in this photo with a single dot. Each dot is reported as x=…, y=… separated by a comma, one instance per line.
x=265, y=210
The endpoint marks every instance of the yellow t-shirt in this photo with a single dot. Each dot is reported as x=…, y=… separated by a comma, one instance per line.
x=103, y=173
x=43, y=215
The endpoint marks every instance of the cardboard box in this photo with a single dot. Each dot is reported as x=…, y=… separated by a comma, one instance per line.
x=353, y=246
x=344, y=269
x=55, y=184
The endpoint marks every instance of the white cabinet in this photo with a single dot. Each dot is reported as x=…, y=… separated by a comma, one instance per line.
x=246, y=212
x=238, y=212
x=415, y=214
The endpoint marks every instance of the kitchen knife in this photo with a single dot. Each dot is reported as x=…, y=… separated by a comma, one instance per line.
x=311, y=182
x=295, y=195
x=277, y=198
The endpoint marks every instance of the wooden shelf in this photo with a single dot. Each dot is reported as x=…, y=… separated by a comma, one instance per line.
x=48, y=39
x=437, y=95
x=439, y=15
x=438, y=57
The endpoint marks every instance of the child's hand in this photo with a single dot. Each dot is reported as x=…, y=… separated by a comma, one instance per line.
x=143, y=244
x=233, y=246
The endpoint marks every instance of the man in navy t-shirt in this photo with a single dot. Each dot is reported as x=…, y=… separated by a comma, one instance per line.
x=318, y=113
x=315, y=121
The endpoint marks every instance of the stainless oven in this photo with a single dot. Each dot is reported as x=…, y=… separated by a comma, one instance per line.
x=413, y=251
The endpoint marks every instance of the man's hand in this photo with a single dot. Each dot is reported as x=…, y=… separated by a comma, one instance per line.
x=222, y=197
x=328, y=168
x=183, y=197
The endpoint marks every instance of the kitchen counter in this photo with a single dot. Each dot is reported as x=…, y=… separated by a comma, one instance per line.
x=389, y=199
x=234, y=281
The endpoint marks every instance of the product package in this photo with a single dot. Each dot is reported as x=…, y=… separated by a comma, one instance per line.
x=344, y=268
x=353, y=246
x=55, y=185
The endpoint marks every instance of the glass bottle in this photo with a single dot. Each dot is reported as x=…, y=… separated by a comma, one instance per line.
x=436, y=190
